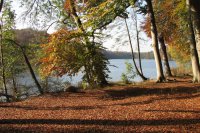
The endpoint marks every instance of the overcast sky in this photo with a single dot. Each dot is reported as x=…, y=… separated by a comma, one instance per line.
x=117, y=40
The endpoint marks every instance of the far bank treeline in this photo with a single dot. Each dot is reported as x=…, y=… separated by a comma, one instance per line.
x=76, y=45
x=31, y=36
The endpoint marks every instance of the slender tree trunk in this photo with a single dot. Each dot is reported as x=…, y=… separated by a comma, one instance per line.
x=32, y=72
x=133, y=57
x=165, y=57
x=193, y=49
x=2, y=63
x=3, y=73
x=154, y=36
x=138, y=41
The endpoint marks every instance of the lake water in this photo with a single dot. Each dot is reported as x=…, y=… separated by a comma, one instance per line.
x=148, y=66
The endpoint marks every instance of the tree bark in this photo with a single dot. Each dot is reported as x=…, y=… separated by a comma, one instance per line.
x=32, y=72
x=195, y=14
x=154, y=36
x=133, y=57
x=3, y=72
x=2, y=62
x=193, y=49
x=165, y=57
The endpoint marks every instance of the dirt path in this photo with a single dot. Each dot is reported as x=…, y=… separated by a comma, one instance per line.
x=173, y=107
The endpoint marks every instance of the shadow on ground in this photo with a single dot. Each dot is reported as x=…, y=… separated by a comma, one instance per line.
x=191, y=92
x=137, y=122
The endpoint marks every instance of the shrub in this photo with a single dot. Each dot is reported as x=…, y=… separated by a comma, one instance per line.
x=129, y=75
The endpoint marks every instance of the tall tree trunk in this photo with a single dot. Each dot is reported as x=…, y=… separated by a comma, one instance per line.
x=138, y=41
x=3, y=72
x=165, y=57
x=195, y=13
x=193, y=49
x=154, y=36
x=133, y=57
x=2, y=62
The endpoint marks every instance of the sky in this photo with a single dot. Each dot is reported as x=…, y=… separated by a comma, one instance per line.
x=115, y=36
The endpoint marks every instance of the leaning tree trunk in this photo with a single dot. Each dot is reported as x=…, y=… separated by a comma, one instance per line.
x=154, y=36
x=32, y=72
x=138, y=41
x=195, y=12
x=193, y=49
x=133, y=57
x=165, y=57
x=29, y=65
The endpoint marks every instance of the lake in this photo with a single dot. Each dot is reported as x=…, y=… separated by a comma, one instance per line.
x=148, y=66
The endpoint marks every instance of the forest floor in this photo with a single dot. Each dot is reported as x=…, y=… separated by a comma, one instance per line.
x=149, y=107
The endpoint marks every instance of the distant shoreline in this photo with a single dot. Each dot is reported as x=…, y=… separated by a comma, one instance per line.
x=128, y=55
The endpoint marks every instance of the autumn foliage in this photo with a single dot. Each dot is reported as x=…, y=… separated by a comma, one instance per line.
x=62, y=54
x=171, y=23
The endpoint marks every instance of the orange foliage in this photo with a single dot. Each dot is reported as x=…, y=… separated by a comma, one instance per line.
x=171, y=22
x=165, y=20
x=61, y=53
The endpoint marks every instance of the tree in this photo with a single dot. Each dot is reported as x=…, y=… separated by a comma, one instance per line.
x=175, y=24
x=194, y=54
x=172, y=26
x=195, y=15
x=70, y=19
x=133, y=57
x=28, y=65
x=93, y=69
x=103, y=14
x=137, y=38
x=154, y=36
x=7, y=19
x=3, y=66
x=165, y=57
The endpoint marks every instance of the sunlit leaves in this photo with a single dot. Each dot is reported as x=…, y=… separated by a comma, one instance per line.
x=11, y=56
x=63, y=53
x=171, y=19
x=100, y=16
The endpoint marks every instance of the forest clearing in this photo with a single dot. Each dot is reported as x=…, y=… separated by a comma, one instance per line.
x=147, y=107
